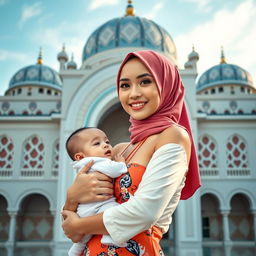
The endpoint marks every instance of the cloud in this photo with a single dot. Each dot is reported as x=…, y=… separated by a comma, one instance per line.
x=154, y=11
x=29, y=12
x=100, y=3
x=9, y=55
x=235, y=30
x=201, y=5
x=54, y=37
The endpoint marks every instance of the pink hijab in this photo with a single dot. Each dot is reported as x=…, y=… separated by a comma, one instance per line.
x=172, y=110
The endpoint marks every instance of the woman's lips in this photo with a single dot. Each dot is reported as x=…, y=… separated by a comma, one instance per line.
x=137, y=105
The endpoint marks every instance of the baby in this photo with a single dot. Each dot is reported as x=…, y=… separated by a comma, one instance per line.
x=87, y=144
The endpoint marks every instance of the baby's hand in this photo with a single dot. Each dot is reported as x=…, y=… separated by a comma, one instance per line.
x=119, y=158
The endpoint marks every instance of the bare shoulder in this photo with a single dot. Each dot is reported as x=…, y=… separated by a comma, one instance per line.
x=175, y=134
x=118, y=148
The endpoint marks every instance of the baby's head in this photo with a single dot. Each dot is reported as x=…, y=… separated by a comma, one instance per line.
x=86, y=142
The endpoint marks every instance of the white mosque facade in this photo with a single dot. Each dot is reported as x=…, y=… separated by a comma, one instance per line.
x=42, y=107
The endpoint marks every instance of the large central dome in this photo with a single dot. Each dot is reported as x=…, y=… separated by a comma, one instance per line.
x=129, y=31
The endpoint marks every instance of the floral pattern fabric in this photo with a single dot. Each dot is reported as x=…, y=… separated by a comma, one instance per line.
x=144, y=244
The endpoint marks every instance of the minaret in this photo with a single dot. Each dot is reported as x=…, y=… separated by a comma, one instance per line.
x=193, y=58
x=72, y=64
x=62, y=57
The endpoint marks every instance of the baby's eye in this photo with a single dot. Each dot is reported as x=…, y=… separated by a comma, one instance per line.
x=107, y=141
x=96, y=143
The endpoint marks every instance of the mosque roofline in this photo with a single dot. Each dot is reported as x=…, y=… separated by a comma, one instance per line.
x=224, y=82
x=229, y=117
x=22, y=118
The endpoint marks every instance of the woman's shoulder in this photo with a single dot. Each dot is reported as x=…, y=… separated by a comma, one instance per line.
x=174, y=134
x=119, y=148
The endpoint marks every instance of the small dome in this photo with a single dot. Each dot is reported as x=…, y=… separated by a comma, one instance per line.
x=36, y=75
x=71, y=64
x=193, y=55
x=62, y=55
x=224, y=74
x=129, y=31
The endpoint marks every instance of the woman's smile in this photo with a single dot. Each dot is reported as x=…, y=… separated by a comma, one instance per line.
x=137, y=105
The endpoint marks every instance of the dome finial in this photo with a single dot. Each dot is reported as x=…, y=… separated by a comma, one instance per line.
x=129, y=9
x=40, y=58
x=222, y=58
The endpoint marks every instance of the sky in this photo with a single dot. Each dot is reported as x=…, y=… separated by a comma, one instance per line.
x=27, y=25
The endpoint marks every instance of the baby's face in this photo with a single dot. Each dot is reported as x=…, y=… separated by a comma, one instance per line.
x=96, y=143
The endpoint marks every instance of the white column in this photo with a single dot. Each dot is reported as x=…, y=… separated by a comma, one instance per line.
x=12, y=230
x=12, y=227
x=225, y=224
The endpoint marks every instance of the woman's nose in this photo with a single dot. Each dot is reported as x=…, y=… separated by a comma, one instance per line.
x=135, y=91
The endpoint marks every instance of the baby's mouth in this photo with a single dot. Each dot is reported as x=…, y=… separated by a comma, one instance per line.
x=108, y=153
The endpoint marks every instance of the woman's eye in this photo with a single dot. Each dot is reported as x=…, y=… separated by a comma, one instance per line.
x=124, y=86
x=145, y=81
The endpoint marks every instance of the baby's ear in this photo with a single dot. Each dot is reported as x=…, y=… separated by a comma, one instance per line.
x=79, y=156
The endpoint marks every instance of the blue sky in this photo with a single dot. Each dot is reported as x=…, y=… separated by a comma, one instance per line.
x=27, y=25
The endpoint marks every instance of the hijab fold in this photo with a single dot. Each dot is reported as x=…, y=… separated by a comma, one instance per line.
x=171, y=111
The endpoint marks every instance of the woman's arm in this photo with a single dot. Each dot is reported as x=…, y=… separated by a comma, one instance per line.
x=75, y=227
x=87, y=188
x=163, y=179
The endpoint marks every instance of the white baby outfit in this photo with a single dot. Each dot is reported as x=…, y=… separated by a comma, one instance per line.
x=112, y=169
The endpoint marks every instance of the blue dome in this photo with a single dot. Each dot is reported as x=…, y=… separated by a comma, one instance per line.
x=224, y=74
x=39, y=75
x=129, y=31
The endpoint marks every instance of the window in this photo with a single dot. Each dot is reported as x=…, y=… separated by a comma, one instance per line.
x=41, y=90
x=206, y=227
x=19, y=91
x=213, y=91
x=221, y=89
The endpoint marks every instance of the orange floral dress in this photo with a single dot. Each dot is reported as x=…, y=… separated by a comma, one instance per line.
x=146, y=243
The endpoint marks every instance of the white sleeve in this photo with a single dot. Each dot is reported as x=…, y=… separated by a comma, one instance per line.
x=112, y=169
x=162, y=180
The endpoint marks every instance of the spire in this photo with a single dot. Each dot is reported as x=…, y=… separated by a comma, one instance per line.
x=222, y=58
x=129, y=9
x=40, y=59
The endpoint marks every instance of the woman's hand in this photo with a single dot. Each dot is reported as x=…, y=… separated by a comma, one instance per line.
x=87, y=188
x=70, y=226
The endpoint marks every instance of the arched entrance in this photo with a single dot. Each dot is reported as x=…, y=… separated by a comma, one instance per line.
x=34, y=226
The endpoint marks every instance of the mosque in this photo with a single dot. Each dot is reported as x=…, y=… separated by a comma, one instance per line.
x=42, y=107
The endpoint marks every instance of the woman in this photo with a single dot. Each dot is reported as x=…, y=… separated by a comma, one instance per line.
x=161, y=160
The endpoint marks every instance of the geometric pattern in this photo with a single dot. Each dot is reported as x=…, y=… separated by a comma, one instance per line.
x=41, y=75
x=240, y=219
x=207, y=154
x=129, y=31
x=6, y=152
x=106, y=36
x=236, y=152
x=223, y=74
x=55, y=160
x=33, y=153
x=34, y=222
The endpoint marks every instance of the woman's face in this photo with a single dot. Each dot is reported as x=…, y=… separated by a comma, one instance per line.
x=138, y=92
